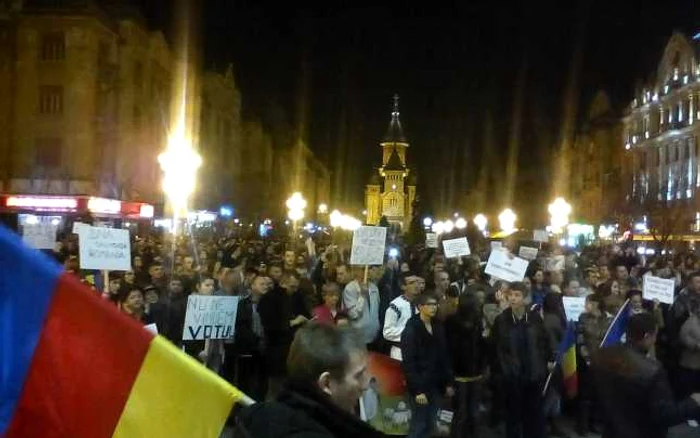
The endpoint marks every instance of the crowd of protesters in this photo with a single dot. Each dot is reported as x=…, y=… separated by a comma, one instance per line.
x=482, y=344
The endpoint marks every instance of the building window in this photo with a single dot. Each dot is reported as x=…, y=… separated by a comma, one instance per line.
x=48, y=152
x=53, y=46
x=51, y=99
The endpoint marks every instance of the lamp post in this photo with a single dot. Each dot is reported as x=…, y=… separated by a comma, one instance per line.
x=295, y=205
x=461, y=223
x=507, y=220
x=559, y=212
x=179, y=163
x=481, y=222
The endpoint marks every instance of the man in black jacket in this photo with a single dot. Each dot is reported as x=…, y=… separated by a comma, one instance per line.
x=327, y=374
x=426, y=365
x=633, y=387
x=525, y=354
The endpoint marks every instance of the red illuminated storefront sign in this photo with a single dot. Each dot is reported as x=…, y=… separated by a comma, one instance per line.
x=76, y=204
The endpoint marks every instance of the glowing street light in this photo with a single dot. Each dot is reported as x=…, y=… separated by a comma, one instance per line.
x=461, y=223
x=336, y=218
x=507, y=220
x=427, y=222
x=179, y=163
x=559, y=212
x=449, y=226
x=438, y=227
x=323, y=208
x=480, y=221
x=296, y=205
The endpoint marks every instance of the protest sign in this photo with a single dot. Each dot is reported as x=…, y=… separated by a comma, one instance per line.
x=368, y=246
x=496, y=245
x=501, y=265
x=210, y=317
x=555, y=263
x=431, y=240
x=456, y=247
x=77, y=226
x=659, y=289
x=104, y=248
x=40, y=236
x=540, y=236
x=528, y=253
x=574, y=307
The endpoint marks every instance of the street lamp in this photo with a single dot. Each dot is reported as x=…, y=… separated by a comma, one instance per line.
x=507, y=220
x=461, y=223
x=559, y=212
x=179, y=163
x=336, y=218
x=480, y=221
x=323, y=208
x=296, y=205
x=438, y=227
x=449, y=226
x=428, y=222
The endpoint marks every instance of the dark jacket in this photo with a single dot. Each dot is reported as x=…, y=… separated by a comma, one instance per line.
x=466, y=346
x=275, y=310
x=425, y=363
x=538, y=351
x=635, y=394
x=246, y=341
x=302, y=413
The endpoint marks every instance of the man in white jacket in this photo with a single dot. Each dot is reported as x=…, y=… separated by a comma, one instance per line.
x=361, y=302
x=400, y=311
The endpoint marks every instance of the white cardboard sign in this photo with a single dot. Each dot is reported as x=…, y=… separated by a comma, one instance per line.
x=40, y=236
x=456, y=247
x=496, y=245
x=659, y=289
x=528, y=253
x=431, y=240
x=368, y=246
x=210, y=317
x=540, y=236
x=574, y=307
x=104, y=248
x=555, y=263
x=501, y=265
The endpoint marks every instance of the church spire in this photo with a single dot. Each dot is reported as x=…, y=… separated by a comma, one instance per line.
x=395, y=132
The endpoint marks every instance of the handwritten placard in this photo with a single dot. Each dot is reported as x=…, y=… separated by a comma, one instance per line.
x=368, y=246
x=506, y=267
x=540, y=236
x=574, y=307
x=431, y=240
x=555, y=263
x=210, y=317
x=528, y=253
x=456, y=247
x=40, y=236
x=104, y=248
x=655, y=288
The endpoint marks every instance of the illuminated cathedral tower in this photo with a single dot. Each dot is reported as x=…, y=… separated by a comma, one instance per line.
x=392, y=189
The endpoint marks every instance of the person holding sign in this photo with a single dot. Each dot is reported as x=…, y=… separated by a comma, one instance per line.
x=361, y=301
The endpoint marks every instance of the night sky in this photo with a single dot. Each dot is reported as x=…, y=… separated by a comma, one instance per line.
x=455, y=66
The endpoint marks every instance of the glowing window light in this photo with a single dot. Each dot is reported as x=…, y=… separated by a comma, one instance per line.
x=38, y=202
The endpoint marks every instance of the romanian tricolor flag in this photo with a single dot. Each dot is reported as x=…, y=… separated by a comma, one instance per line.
x=567, y=359
x=72, y=366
